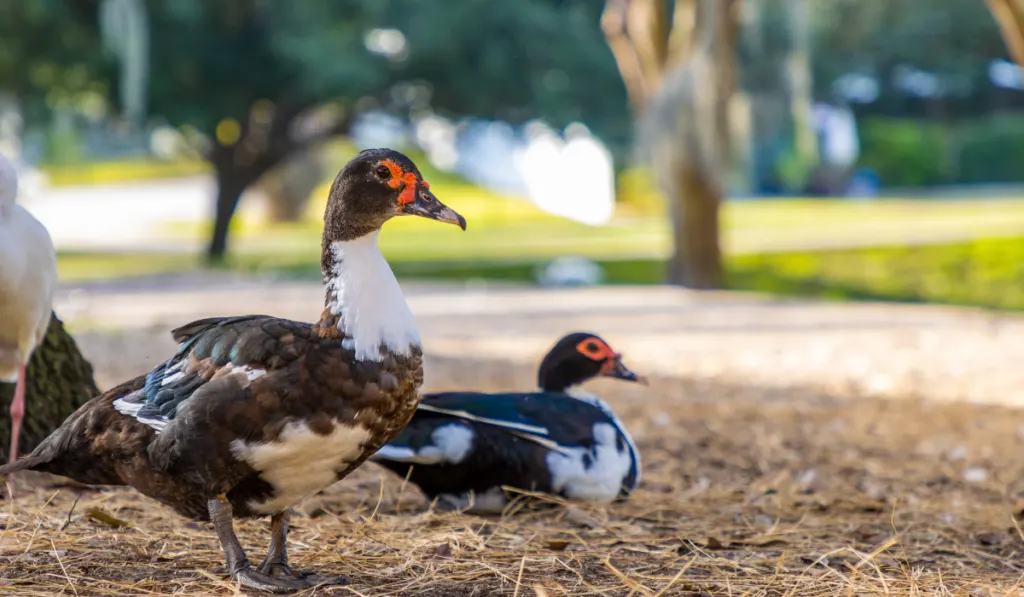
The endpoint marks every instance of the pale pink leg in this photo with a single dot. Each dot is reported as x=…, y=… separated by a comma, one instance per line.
x=17, y=411
x=17, y=414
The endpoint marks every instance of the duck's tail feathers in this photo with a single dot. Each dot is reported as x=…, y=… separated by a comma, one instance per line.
x=28, y=463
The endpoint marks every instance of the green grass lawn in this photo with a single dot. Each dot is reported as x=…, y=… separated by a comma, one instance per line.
x=984, y=272
x=951, y=251
x=112, y=172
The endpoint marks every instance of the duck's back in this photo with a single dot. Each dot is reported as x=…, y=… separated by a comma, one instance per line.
x=28, y=277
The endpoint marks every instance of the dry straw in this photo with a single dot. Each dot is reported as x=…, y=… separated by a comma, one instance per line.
x=745, y=492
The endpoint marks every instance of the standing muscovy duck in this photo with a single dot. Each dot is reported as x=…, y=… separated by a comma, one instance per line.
x=463, y=446
x=252, y=414
x=28, y=277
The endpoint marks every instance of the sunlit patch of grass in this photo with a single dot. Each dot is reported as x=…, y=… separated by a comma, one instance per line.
x=77, y=266
x=112, y=172
x=985, y=272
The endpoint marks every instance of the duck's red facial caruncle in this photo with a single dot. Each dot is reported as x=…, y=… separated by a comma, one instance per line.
x=415, y=197
x=598, y=350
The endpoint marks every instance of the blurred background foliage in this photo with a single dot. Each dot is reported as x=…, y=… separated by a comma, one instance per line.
x=268, y=95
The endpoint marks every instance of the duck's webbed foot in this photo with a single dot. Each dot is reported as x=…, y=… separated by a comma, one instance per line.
x=273, y=576
x=275, y=565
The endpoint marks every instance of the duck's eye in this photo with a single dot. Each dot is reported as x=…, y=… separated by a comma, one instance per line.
x=383, y=172
x=592, y=348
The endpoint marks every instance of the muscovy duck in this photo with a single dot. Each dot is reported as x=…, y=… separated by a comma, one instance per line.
x=252, y=414
x=28, y=277
x=462, y=447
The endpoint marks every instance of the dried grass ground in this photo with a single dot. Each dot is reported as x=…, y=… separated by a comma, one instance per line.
x=746, y=491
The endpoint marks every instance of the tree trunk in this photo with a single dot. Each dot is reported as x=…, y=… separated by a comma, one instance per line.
x=1009, y=15
x=680, y=82
x=686, y=145
x=688, y=124
x=697, y=259
x=59, y=381
x=801, y=92
x=288, y=186
x=230, y=186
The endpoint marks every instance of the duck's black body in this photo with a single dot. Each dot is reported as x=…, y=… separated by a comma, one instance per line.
x=254, y=413
x=462, y=447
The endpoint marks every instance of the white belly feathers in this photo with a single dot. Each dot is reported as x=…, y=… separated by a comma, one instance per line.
x=300, y=462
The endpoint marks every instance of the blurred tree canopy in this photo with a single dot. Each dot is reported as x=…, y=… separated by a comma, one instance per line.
x=265, y=79
x=261, y=80
x=892, y=40
x=49, y=55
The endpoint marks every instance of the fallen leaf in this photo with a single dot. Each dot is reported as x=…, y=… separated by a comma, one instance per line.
x=557, y=544
x=444, y=550
x=97, y=515
x=714, y=543
x=992, y=538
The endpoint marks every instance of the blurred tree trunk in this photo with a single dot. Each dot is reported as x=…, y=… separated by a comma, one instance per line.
x=59, y=381
x=801, y=92
x=289, y=186
x=248, y=150
x=1009, y=15
x=680, y=71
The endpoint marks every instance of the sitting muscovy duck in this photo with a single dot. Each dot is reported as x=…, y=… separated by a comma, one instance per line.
x=252, y=414
x=462, y=447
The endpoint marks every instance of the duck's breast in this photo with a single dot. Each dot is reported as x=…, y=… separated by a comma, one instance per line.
x=302, y=460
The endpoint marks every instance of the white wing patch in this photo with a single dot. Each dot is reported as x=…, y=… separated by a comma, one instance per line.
x=602, y=480
x=579, y=393
x=127, y=405
x=250, y=373
x=132, y=404
x=451, y=445
x=173, y=374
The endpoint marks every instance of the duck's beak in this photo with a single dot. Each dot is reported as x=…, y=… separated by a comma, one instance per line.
x=426, y=205
x=618, y=370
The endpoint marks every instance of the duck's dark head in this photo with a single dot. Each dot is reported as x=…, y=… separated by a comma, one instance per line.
x=375, y=186
x=579, y=357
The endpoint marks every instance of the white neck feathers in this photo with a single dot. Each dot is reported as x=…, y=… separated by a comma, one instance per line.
x=580, y=393
x=363, y=292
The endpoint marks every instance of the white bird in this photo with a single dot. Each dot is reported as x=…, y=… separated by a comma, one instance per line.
x=28, y=276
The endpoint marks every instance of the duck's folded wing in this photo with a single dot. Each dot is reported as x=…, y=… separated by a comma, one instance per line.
x=245, y=348
x=444, y=422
